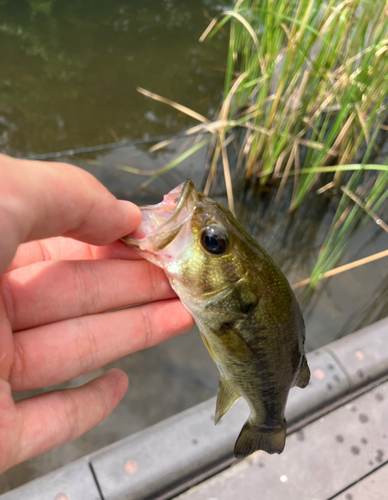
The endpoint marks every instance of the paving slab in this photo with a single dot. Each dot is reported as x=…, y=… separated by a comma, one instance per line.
x=173, y=455
x=373, y=487
x=183, y=447
x=73, y=482
x=320, y=461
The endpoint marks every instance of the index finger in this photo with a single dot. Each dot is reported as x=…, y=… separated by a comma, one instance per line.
x=45, y=199
x=59, y=248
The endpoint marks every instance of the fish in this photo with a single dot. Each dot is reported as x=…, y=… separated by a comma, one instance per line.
x=248, y=316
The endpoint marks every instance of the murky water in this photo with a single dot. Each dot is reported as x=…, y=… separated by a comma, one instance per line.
x=69, y=76
x=69, y=70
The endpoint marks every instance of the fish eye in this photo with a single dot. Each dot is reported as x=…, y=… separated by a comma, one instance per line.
x=214, y=240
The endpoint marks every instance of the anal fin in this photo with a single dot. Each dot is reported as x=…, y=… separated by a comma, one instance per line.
x=226, y=397
x=304, y=376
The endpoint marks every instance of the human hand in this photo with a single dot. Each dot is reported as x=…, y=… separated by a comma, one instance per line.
x=55, y=286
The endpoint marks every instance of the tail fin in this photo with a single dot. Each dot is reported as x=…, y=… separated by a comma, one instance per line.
x=253, y=437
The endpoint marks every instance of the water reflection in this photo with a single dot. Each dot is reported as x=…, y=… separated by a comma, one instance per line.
x=70, y=70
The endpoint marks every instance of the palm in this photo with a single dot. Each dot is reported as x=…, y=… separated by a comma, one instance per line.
x=54, y=294
x=54, y=326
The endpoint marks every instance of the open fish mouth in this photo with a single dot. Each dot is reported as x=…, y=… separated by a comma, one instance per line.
x=162, y=222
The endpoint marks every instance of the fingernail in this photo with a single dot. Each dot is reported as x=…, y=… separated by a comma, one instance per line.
x=131, y=214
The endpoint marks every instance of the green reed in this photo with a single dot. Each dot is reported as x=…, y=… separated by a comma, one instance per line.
x=305, y=101
x=312, y=98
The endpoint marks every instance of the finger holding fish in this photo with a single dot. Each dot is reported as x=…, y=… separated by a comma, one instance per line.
x=30, y=301
x=92, y=341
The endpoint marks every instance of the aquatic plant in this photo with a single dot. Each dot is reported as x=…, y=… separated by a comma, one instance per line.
x=314, y=90
x=305, y=101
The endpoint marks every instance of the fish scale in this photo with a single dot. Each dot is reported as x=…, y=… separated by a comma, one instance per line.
x=248, y=316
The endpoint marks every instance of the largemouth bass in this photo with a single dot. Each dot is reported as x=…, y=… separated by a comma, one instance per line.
x=248, y=316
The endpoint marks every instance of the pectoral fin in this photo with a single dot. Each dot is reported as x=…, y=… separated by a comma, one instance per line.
x=226, y=398
x=227, y=341
x=208, y=346
x=234, y=343
x=234, y=302
x=304, y=376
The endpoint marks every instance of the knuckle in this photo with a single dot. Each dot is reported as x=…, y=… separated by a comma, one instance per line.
x=147, y=327
x=8, y=299
x=102, y=397
x=86, y=346
x=87, y=286
x=71, y=415
x=154, y=281
x=44, y=251
x=19, y=372
x=159, y=284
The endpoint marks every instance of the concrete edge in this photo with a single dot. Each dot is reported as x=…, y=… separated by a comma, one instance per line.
x=167, y=458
